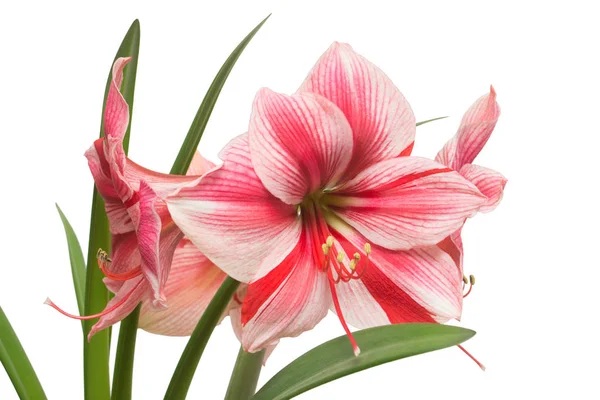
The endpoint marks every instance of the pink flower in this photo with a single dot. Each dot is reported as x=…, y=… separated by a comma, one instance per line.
x=315, y=209
x=459, y=152
x=145, y=240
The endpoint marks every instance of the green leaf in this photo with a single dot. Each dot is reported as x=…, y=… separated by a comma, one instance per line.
x=430, y=120
x=184, y=373
x=244, y=376
x=77, y=261
x=96, y=351
x=190, y=144
x=17, y=364
x=123, y=375
x=335, y=359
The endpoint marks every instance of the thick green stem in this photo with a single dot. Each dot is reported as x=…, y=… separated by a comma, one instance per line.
x=123, y=375
x=184, y=373
x=244, y=376
x=17, y=364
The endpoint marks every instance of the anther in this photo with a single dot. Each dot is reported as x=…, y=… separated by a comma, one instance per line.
x=329, y=241
x=353, y=264
x=472, y=279
x=465, y=280
x=340, y=256
x=367, y=248
x=357, y=257
x=325, y=249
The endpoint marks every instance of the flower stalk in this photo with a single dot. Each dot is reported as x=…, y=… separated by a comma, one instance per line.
x=244, y=376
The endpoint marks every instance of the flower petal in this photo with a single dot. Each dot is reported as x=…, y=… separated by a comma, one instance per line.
x=199, y=165
x=298, y=143
x=126, y=299
x=156, y=244
x=233, y=219
x=406, y=202
x=116, y=111
x=419, y=285
x=289, y=300
x=192, y=283
x=488, y=181
x=473, y=133
x=382, y=121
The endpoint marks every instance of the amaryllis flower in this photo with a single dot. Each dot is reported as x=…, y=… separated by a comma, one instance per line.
x=144, y=237
x=459, y=152
x=316, y=208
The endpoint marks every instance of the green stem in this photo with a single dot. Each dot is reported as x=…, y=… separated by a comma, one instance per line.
x=17, y=364
x=96, y=351
x=123, y=375
x=244, y=376
x=184, y=373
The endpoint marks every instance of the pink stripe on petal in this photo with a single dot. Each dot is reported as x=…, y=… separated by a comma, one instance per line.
x=134, y=290
x=291, y=299
x=473, y=133
x=406, y=202
x=192, y=283
x=233, y=219
x=298, y=143
x=488, y=181
x=382, y=121
x=116, y=112
x=419, y=285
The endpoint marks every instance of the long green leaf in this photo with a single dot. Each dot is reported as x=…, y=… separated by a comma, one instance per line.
x=17, y=364
x=184, y=373
x=96, y=351
x=335, y=359
x=244, y=376
x=77, y=261
x=190, y=144
x=430, y=120
x=123, y=375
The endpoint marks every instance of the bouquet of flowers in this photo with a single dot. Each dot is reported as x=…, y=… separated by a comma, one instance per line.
x=319, y=206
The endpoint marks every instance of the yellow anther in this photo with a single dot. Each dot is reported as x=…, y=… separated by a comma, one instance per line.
x=325, y=249
x=103, y=256
x=465, y=280
x=329, y=241
x=353, y=264
x=357, y=256
x=367, y=248
x=472, y=279
x=340, y=256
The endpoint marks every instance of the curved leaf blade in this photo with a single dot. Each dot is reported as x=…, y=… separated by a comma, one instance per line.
x=77, y=261
x=96, y=351
x=192, y=139
x=430, y=120
x=16, y=363
x=335, y=358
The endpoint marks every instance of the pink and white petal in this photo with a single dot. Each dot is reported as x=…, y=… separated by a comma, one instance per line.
x=488, y=181
x=126, y=299
x=193, y=281
x=235, y=314
x=125, y=257
x=116, y=112
x=199, y=165
x=406, y=202
x=232, y=218
x=382, y=121
x=419, y=285
x=473, y=133
x=298, y=143
x=453, y=246
x=289, y=300
x=162, y=184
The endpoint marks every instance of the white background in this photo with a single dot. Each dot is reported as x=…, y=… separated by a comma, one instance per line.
x=535, y=305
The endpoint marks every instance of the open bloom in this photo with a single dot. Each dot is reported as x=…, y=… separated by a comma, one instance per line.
x=315, y=208
x=144, y=237
x=460, y=151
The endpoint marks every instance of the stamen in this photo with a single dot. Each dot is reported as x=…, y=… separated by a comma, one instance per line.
x=353, y=264
x=367, y=248
x=329, y=241
x=338, y=311
x=103, y=313
x=471, y=283
x=340, y=256
x=472, y=358
x=104, y=262
x=465, y=280
x=325, y=249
